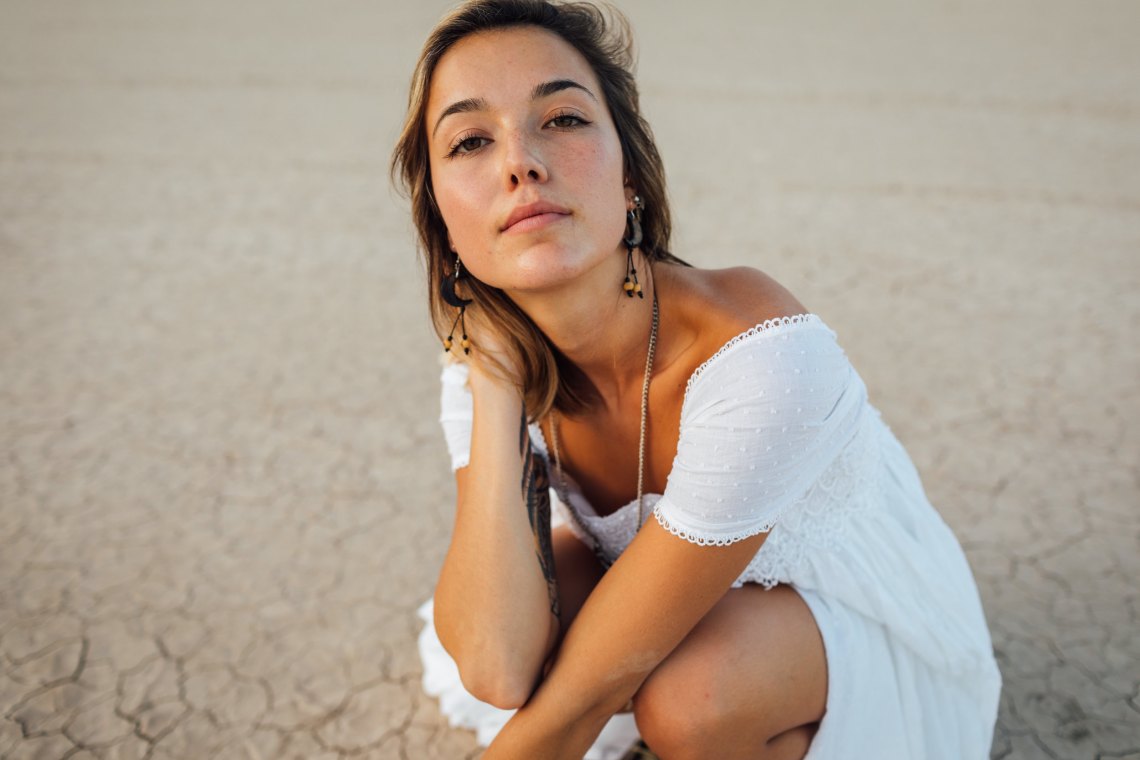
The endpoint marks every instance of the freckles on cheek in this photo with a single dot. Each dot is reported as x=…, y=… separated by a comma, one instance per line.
x=598, y=166
x=590, y=155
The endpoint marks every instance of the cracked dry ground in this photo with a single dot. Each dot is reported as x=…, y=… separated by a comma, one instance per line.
x=223, y=491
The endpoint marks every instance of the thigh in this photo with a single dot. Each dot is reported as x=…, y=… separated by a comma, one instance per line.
x=577, y=570
x=753, y=668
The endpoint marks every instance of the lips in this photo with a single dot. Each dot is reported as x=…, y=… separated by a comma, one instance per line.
x=540, y=212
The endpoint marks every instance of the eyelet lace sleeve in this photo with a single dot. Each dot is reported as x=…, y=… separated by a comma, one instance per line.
x=456, y=413
x=761, y=421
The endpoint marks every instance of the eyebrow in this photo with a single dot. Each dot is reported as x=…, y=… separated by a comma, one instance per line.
x=541, y=90
x=558, y=85
x=463, y=106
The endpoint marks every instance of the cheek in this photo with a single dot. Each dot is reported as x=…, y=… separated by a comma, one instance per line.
x=596, y=170
x=600, y=160
x=462, y=209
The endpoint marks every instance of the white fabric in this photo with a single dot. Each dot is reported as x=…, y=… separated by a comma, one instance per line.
x=777, y=435
x=456, y=413
x=760, y=421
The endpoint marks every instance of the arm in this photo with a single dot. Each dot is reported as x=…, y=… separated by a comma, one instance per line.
x=758, y=428
x=656, y=592
x=496, y=604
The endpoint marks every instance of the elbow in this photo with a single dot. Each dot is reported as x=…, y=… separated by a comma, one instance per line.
x=503, y=675
x=500, y=681
x=496, y=689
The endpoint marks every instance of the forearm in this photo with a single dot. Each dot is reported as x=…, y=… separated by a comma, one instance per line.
x=566, y=714
x=531, y=733
x=493, y=602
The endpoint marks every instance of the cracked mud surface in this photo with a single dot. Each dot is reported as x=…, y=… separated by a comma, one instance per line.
x=223, y=487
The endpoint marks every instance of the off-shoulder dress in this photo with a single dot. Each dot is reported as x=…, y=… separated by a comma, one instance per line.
x=777, y=435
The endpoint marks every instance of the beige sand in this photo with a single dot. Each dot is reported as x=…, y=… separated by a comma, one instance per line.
x=224, y=491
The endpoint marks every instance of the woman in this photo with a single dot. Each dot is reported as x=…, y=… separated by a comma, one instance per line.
x=748, y=561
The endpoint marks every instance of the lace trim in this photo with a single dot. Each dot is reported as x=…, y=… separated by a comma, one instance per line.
x=731, y=538
x=536, y=431
x=816, y=522
x=819, y=521
x=765, y=326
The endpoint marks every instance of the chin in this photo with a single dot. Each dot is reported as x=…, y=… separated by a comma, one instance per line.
x=548, y=265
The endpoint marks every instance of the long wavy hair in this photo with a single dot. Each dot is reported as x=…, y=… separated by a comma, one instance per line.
x=546, y=378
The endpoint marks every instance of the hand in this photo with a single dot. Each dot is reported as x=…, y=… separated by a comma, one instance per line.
x=490, y=360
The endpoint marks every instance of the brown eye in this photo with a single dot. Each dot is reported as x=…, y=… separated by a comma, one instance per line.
x=567, y=121
x=467, y=145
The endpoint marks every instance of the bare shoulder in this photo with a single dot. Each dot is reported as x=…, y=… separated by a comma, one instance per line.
x=719, y=304
x=752, y=295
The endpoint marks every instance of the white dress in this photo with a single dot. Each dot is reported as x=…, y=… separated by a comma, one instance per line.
x=777, y=435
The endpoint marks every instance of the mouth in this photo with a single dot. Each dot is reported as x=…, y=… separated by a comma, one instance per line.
x=533, y=216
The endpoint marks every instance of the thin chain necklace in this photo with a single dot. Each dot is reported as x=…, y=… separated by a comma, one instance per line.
x=563, y=491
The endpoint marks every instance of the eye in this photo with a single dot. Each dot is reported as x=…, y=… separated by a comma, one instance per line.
x=466, y=144
x=567, y=120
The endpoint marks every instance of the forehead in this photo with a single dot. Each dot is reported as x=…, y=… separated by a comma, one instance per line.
x=504, y=64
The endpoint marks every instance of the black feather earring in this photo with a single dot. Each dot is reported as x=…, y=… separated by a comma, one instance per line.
x=451, y=297
x=632, y=240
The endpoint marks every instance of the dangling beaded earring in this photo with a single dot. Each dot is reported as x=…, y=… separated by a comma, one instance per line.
x=632, y=240
x=447, y=292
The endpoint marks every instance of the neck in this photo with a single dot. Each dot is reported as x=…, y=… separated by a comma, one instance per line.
x=595, y=325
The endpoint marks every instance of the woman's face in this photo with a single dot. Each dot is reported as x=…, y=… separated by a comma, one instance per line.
x=526, y=164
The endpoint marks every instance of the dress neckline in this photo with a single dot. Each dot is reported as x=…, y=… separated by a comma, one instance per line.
x=764, y=328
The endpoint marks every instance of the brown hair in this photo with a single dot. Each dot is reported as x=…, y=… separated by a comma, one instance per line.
x=547, y=379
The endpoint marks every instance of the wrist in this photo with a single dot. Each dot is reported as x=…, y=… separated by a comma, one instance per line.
x=529, y=733
x=485, y=382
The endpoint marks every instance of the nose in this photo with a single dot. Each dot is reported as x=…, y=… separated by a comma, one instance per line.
x=523, y=162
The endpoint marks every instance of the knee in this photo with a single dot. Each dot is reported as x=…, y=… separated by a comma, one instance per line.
x=679, y=715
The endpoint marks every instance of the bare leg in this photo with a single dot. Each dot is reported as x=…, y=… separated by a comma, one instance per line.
x=792, y=744
x=747, y=682
x=577, y=571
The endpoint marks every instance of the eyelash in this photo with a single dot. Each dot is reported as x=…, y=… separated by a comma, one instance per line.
x=455, y=150
x=568, y=115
